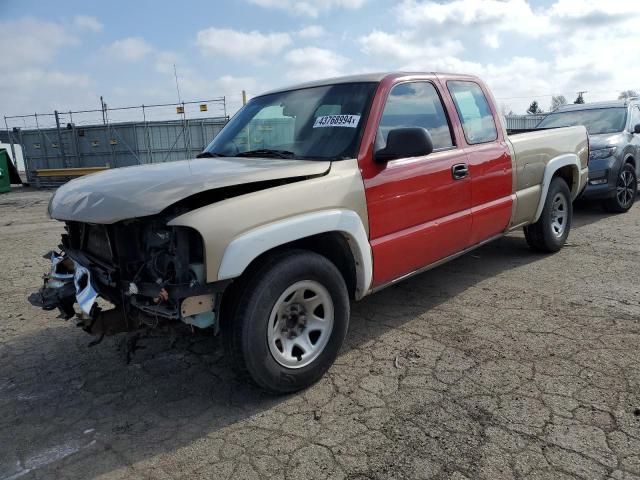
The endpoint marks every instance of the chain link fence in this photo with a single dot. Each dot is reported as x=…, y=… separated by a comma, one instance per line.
x=112, y=137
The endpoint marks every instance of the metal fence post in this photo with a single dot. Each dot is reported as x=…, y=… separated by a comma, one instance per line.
x=13, y=149
x=147, y=140
x=24, y=157
x=43, y=144
x=63, y=156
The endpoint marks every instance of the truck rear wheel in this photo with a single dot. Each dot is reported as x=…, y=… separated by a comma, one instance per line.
x=551, y=230
x=290, y=320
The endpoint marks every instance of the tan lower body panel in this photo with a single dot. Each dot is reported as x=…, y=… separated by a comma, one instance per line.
x=220, y=223
x=525, y=204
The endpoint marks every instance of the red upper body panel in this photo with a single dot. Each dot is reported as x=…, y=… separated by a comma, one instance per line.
x=418, y=212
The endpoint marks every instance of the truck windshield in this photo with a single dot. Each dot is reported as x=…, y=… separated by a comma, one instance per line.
x=316, y=123
x=596, y=120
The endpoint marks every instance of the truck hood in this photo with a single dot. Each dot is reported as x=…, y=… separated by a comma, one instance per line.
x=604, y=140
x=139, y=191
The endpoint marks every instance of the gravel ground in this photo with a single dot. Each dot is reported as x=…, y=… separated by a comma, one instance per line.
x=501, y=364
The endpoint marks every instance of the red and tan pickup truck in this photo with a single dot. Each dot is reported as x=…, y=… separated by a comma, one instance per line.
x=310, y=197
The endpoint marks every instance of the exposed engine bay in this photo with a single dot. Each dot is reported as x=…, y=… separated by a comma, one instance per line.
x=151, y=273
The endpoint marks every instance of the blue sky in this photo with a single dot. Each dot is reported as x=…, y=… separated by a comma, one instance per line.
x=66, y=54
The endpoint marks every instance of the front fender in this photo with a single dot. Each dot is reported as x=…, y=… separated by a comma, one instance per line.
x=247, y=247
x=281, y=214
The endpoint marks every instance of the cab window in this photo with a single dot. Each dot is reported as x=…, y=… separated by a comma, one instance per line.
x=415, y=104
x=475, y=115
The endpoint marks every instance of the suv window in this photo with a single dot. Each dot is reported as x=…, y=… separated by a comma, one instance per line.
x=635, y=117
x=595, y=120
x=472, y=106
x=415, y=104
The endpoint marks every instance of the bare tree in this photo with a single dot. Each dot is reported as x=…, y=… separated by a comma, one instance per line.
x=557, y=101
x=625, y=94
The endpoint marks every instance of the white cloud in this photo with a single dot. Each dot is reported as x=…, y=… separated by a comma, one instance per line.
x=491, y=40
x=25, y=90
x=311, y=31
x=241, y=45
x=405, y=46
x=29, y=82
x=196, y=85
x=165, y=61
x=501, y=15
x=522, y=48
x=312, y=62
x=86, y=22
x=593, y=12
x=310, y=8
x=577, y=46
x=129, y=49
x=37, y=77
x=231, y=88
x=30, y=41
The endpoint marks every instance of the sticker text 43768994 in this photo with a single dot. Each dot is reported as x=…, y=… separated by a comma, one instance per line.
x=349, y=121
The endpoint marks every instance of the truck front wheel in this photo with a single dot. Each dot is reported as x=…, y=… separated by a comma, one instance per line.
x=290, y=320
x=551, y=230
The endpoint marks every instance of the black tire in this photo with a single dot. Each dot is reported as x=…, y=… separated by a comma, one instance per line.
x=626, y=191
x=247, y=331
x=541, y=235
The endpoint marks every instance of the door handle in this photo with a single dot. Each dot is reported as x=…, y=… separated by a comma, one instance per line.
x=460, y=171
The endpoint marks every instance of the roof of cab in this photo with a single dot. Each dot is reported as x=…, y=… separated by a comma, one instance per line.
x=364, y=78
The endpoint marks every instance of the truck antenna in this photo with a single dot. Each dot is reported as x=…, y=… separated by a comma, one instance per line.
x=175, y=74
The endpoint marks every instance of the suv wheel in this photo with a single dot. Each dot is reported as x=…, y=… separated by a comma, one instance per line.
x=290, y=320
x=551, y=230
x=626, y=191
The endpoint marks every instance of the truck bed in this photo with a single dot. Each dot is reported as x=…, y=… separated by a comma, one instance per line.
x=532, y=151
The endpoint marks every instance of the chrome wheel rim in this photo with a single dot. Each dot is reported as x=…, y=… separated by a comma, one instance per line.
x=300, y=324
x=559, y=214
x=626, y=188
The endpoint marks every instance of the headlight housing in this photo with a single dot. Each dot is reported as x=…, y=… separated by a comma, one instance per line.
x=602, y=153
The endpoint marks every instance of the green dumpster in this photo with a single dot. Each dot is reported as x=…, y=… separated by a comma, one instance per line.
x=5, y=181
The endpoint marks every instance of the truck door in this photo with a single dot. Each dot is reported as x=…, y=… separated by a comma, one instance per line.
x=419, y=207
x=490, y=166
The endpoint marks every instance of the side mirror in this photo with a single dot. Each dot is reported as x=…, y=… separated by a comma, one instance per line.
x=636, y=128
x=405, y=142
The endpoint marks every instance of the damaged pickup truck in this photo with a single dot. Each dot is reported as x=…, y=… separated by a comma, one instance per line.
x=310, y=197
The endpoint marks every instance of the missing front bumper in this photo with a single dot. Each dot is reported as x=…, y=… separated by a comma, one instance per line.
x=142, y=305
x=58, y=289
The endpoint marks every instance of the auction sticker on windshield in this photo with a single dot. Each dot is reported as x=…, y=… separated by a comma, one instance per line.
x=350, y=121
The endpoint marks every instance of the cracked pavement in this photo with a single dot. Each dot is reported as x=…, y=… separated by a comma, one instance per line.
x=501, y=364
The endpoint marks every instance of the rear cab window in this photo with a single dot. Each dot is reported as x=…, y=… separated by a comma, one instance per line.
x=473, y=109
x=415, y=104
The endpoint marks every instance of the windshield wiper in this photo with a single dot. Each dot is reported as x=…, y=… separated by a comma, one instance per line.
x=208, y=155
x=266, y=152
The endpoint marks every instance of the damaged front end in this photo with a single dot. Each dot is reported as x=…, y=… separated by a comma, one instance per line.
x=150, y=273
